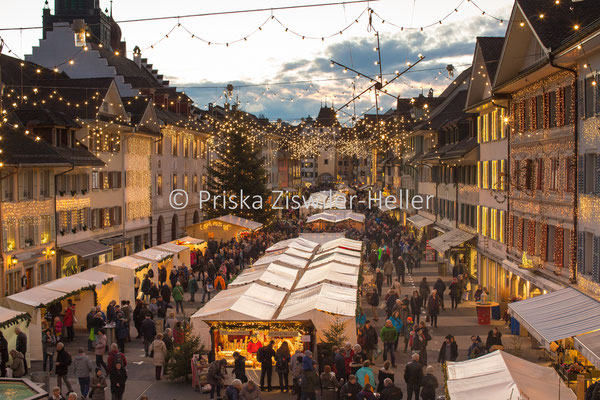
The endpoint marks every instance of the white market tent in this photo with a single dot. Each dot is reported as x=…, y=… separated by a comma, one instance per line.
x=337, y=250
x=318, y=304
x=447, y=240
x=335, y=257
x=557, y=315
x=338, y=267
x=315, y=276
x=321, y=238
x=9, y=321
x=182, y=253
x=419, y=221
x=189, y=240
x=500, y=376
x=589, y=346
x=286, y=259
x=295, y=243
x=295, y=253
x=274, y=274
x=239, y=221
x=343, y=243
x=126, y=268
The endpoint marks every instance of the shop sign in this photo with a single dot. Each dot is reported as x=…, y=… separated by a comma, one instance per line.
x=306, y=338
x=283, y=334
x=235, y=333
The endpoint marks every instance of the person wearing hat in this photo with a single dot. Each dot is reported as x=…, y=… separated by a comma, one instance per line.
x=233, y=391
x=449, y=350
x=350, y=389
x=429, y=384
x=454, y=293
x=98, y=384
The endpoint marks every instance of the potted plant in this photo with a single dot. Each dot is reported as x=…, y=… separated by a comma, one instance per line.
x=83, y=191
x=74, y=230
x=73, y=192
x=61, y=192
x=84, y=227
x=62, y=232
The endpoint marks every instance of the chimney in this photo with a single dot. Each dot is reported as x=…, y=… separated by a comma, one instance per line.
x=137, y=56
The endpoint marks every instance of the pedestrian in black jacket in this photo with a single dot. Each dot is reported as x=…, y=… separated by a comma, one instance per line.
x=391, y=391
x=413, y=376
x=371, y=339
x=440, y=286
x=239, y=367
x=63, y=360
x=429, y=384
x=449, y=350
x=415, y=304
x=350, y=389
x=22, y=345
x=265, y=357
x=374, y=302
x=3, y=355
x=400, y=268
x=148, y=330
x=118, y=377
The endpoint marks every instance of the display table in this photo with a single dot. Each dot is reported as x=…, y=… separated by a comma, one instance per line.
x=484, y=312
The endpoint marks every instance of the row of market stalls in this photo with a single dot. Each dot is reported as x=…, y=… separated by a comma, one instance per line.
x=224, y=228
x=292, y=294
x=33, y=309
x=344, y=219
x=566, y=324
x=327, y=200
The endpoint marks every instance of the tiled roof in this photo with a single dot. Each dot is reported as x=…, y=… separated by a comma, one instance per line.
x=327, y=117
x=451, y=111
x=19, y=149
x=461, y=148
x=491, y=48
x=557, y=25
x=12, y=72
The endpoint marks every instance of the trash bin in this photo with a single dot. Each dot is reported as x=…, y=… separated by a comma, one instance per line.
x=109, y=330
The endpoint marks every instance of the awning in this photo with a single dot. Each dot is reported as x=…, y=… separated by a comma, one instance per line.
x=558, y=315
x=589, y=346
x=530, y=276
x=87, y=248
x=419, y=221
x=111, y=241
x=244, y=223
x=450, y=239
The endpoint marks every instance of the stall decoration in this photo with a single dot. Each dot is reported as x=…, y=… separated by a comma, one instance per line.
x=16, y=321
x=142, y=267
x=76, y=292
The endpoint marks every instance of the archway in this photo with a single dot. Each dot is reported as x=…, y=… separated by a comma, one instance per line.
x=175, y=227
x=160, y=227
x=196, y=218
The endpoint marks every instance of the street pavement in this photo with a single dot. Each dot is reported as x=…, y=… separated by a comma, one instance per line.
x=461, y=323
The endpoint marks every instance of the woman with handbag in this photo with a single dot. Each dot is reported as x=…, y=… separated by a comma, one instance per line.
x=158, y=350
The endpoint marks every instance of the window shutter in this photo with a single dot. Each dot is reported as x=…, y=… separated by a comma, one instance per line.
x=580, y=174
x=21, y=234
x=36, y=233
x=52, y=227
x=118, y=179
x=596, y=260
x=20, y=178
x=580, y=250
x=34, y=186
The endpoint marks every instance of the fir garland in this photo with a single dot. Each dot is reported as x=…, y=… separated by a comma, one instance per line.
x=142, y=267
x=16, y=320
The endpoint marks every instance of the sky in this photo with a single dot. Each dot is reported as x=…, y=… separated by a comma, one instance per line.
x=278, y=74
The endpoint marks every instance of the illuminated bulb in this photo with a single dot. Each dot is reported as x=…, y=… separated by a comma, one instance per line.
x=376, y=62
x=374, y=48
x=345, y=70
x=541, y=16
x=576, y=27
x=332, y=64
x=55, y=69
x=71, y=62
x=420, y=55
x=38, y=71
x=593, y=83
x=522, y=23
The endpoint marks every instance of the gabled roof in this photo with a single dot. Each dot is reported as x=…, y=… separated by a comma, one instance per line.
x=13, y=72
x=447, y=111
x=21, y=149
x=557, y=25
x=137, y=77
x=327, y=117
x=491, y=49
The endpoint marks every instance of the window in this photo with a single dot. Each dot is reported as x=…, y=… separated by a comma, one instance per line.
x=539, y=112
x=502, y=174
x=494, y=224
x=13, y=282
x=529, y=174
x=27, y=232
x=195, y=148
x=46, y=235
x=539, y=184
x=186, y=147
x=589, y=176
x=554, y=176
x=84, y=182
x=589, y=106
x=568, y=115
x=552, y=109
x=484, y=221
x=44, y=183
x=159, y=184
x=9, y=234
x=26, y=185
x=174, y=145
x=158, y=147
x=8, y=188
x=44, y=272
x=485, y=175
x=501, y=227
x=494, y=175
x=186, y=183
x=195, y=184
x=174, y=182
x=571, y=166
x=95, y=181
x=115, y=143
x=326, y=161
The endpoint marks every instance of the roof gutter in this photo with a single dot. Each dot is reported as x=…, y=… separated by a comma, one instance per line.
x=575, y=95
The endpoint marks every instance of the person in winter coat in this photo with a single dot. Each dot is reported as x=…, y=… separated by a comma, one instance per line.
x=3, y=355
x=390, y=391
x=21, y=346
x=118, y=377
x=83, y=368
x=115, y=356
x=415, y=304
x=69, y=319
x=494, y=340
x=18, y=364
x=440, y=286
x=48, y=349
x=390, y=301
x=63, y=360
x=429, y=384
x=413, y=376
x=233, y=390
x=398, y=325
x=365, y=375
x=100, y=350
x=329, y=384
x=265, y=357
x=192, y=288
x=449, y=350
x=282, y=365
x=178, y=297
x=121, y=331
x=159, y=354
x=454, y=293
x=389, y=337
x=379, y=281
x=250, y=391
x=350, y=389
x=148, y=330
x=384, y=373
x=388, y=270
x=424, y=290
x=239, y=367
x=339, y=362
x=97, y=385
x=433, y=307
x=477, y=349
x=366, y=393
x=371, y=340
x=215, y=377
x=309, y=381
x=400, y=269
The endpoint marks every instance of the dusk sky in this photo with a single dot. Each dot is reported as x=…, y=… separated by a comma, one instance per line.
x=271, y=56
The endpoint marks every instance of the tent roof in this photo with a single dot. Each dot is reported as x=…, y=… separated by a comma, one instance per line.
x=558, y=315
x=7, y=314
x=239, y=221
x=253, y=301
x=337, y=250
x=189, y=240
x=589, y=346
x=500, y=376
x=295, y=243
x=129, y=262
x=447, y=240
x=171, y=247
x=343, y=243
x=326, y=274
x=36, y=296
x=281, y=259
x=154, y=254
x=274, y=274
x=324, y=297
x=321, y=237
x=69, y=284
x=419, y=221
x=338, y=267
x=335, y=257
x=94, y=275
x=336, y=217
x=87, y=248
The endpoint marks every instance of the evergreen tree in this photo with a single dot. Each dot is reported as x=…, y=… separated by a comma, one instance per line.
x=238, y=167
x=335, y=334
x=180, y=359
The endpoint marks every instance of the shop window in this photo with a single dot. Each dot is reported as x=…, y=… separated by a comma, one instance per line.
x=186, y=183
x=195, y=183
x=158, y=147
x=45, y=229
x=9, y=235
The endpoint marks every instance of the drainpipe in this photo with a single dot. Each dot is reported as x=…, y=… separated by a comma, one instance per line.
x=574, y=95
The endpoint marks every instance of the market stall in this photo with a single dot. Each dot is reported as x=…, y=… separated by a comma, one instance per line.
x=162, y=259
x=322, y=237
x=182, y=253
x=500, y=376
x=126, y=269
x=285, y=259
x=273, y=274
x=9, y=321
x=335, y=257
x=342, y=243
x=345, y=219
x=325, y=273
x=223, y=228
x=295, y=243
x=192, y=243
